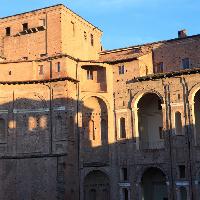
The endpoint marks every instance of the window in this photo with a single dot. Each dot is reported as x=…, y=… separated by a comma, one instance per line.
x=123, y=174
x=178, y=123
x=121, y=69
x=161, y=133
x=186, y=63
x=181, y=171
x=41, y=70
x=58, y=67
x=8, y=31
x=73, y=28
x=85, y=35
x=122, y=128
x=42, y=22
x=89, y=74
x=25, y=26
x=92, y=40
x=9, y=73
x=2, y=129
x=160, y=67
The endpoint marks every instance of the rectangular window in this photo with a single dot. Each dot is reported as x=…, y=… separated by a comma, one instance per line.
x=185, y=63
x=58, y=67
x=92, y=40
x=160, y=67
x=73, y=28
x=123, y=174
x=121, y=69
x=41, y=70
x=25, y=26
x=181, y=171
x=161, y=133
x=122, y=128
x=42, y=22
x=8, y=31
x=89, y=74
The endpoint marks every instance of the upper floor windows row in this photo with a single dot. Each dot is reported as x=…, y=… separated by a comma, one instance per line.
x=185, y=64
x=91, y=38
x=41, y=68
x=25, y=26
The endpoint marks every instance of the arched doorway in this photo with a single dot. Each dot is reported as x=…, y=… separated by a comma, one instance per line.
x=96, y=186
x=197, y=116
x=150, y=122
x=154, y=185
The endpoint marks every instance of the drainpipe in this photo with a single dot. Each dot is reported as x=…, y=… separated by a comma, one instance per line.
x=169, y=132
x=78, y=132
x=188, y=132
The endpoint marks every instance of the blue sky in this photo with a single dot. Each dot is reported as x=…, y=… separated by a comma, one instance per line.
x=125, y=22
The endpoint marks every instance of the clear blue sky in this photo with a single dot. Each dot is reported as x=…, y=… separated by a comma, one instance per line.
x=125, y=22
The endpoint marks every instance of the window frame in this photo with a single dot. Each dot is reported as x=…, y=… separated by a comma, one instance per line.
x=121, y=69
x=8, y=31
x=185, y=61
x=40, y=70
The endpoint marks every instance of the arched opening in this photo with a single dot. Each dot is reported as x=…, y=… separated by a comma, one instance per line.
x=154, y=185
x=150, y=122
x=197, y=116
x=178, y=123
x=95, y=131
x=95, y=121
x=96, y=186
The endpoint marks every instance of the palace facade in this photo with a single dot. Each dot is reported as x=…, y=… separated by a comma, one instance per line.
x=81, y=123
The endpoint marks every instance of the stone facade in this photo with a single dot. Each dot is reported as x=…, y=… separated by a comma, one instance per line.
x=77, y=122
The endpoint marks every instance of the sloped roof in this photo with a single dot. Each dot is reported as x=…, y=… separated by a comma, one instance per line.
x=128, y=54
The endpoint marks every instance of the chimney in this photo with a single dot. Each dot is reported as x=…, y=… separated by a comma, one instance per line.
x=182, y=33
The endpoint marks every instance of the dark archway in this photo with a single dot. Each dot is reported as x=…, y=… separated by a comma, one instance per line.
x=96, y=186
x=197, y=116
x=150, y=122
x=154, y=185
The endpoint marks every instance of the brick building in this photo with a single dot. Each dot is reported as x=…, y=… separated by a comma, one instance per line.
x=77, y=122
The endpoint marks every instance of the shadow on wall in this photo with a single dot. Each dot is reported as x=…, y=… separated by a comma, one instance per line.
x=39, y=149
x=158, y=157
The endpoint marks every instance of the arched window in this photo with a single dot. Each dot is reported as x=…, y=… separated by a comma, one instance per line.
x=91, y=130
x=2, y=129
x=122, y=127
x=178, y=123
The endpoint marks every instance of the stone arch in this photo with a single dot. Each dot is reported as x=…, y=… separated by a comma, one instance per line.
x=83, y=99
x=139, y=95
x=154, y=184
x=142, y=170
x=95, y=129
x=96, y=186
x=147, y=107
x=194, y=99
